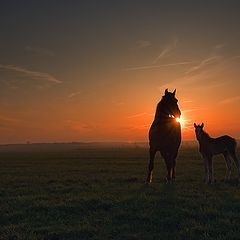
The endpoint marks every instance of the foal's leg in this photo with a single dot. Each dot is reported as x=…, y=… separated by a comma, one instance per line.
x=228, y=165
x=206, y=178
x=210, y=168
x=150, y=165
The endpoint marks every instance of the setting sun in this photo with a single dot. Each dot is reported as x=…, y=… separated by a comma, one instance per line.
x=180, y=120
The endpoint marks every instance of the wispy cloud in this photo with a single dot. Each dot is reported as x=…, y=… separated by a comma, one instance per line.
x=193, y=110
x=39, y=51
x=31, y=74
x=74, y=94
x=138, y=115
x=166, y=50
x=8, y=119
x=230, y=100
x=204, y=63
x=219, y=46
x=211, y=60
x=204, y=69
x=156, y=66
x=79, y=126
x=142, y=44
x=235, y=58
x=9, y=122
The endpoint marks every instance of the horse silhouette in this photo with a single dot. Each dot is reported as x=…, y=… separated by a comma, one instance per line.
x=165, y=135
x=208, y=147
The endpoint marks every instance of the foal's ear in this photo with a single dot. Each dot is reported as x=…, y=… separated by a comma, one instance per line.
x=166, y=91
x=174, y=92
x=195, y=125
x=202, y=125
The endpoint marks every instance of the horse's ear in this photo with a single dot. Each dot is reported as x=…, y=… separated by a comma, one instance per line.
x=166, y=91
x=202, y=125
x=195, y=125
x=174, y=92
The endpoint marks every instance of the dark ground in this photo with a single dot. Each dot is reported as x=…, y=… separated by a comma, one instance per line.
x=91, y=191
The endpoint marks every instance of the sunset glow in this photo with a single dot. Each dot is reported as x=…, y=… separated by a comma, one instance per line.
x=178, y=120
x=96, y=71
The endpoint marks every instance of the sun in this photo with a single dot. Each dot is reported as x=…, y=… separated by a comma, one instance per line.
x=180, y=120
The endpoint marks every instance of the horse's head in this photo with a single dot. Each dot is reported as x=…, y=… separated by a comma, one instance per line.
x=170, y=102
x=198, y=130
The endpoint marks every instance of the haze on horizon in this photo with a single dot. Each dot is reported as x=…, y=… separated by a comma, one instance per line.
x=95, y=70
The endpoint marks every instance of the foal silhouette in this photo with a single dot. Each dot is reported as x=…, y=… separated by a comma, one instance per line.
x=208, y=147
x=165, y=134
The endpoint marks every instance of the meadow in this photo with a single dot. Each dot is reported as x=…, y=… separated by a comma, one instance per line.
x=91, y=191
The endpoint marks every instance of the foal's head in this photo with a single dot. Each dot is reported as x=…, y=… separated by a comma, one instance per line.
x=170, y=102
x=198, y=130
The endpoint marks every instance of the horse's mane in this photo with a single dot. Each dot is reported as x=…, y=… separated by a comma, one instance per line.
x=160, y=113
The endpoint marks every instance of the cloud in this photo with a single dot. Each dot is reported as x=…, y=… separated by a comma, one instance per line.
x=167, y=49
x=234, y=58
x=138, y=115
x=230, y=100
x=219, y=46
x=76, y=125
x=193, y=110
x=156, y=66
x=204, y=63
x=73, y=94
x=9, y=122
x=39, y=51
x=143, y=44
x=31, y=74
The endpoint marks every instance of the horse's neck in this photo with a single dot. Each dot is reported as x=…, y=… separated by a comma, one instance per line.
x=205, y=138
x=160, y=115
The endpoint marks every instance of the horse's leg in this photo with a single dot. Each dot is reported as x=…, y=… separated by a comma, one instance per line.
x=210, y=168
x=174, y=166
x=205, y=161
x=169, y=164
x=236, y=161
x=228, y=165
x=152, y=153
x=173, y=169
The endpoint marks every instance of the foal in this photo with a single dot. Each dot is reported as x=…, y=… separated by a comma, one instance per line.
x=208, y=147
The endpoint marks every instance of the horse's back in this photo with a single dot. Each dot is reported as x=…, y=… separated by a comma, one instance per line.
x=227, y=142
x=219, y=145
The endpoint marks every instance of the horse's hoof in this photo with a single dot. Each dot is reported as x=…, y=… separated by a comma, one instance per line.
x=168, y=180
x=210, y=182
x=148, y=181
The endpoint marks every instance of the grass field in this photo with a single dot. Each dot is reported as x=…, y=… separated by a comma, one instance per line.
x=76, y=191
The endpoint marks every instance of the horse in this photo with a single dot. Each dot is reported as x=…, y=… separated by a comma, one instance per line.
x=165, y=135
x=208, y=147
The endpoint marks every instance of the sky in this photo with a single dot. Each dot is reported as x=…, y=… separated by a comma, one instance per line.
x=95, y=70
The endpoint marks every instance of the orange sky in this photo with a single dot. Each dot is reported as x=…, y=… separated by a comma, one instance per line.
x=95, y=72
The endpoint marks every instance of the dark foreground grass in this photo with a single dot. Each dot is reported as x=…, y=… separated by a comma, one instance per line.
x=89, y=192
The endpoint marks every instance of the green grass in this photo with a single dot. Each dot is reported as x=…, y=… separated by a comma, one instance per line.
x=84, y=192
